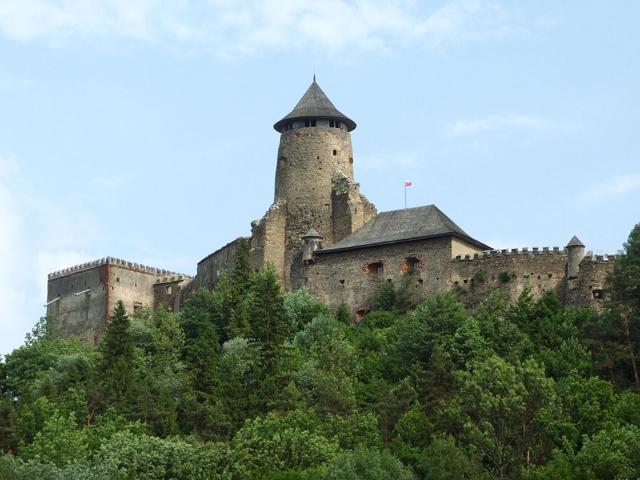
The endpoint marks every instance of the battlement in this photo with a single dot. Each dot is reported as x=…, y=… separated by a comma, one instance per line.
x=604, y=258
x=514, y=252
x=117, y=262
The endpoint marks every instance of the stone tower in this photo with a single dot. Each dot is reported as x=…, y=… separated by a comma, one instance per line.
x=314, y=185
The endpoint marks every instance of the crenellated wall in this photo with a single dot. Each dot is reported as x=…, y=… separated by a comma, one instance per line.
x=538, y=269
x=81, y=298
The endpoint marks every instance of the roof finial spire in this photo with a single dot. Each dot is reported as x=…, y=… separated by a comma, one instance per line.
x=314, y=77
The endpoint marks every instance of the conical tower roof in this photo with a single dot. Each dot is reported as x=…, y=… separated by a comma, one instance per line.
x=314, y=104
x=575, y=242
x=312, y=233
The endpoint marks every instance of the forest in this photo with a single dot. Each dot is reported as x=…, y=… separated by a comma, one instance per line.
x=248, y=382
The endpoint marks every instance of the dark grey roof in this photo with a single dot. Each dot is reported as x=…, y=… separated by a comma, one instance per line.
x=314, y=104
x=405, y=225
x=575, y=242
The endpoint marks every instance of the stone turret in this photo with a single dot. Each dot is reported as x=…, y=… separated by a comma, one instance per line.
x=314, y=185
x=575, y=251
x=312, y=241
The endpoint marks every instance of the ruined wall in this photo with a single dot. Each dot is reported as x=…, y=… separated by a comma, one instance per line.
x=170, y=292
x=268, y=240
x=311, y=161
x=351, y=209
x=211, y=267
x=590, y=288
x=343, y=277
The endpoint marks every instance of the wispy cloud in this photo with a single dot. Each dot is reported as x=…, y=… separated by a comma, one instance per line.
x=613, y=187
x=228, y=27
x=505, y=122
x=36, y=237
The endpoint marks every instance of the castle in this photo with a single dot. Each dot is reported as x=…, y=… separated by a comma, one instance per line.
x=322, y=233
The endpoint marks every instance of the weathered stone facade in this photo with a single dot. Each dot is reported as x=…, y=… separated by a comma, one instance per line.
x=81, y=298
x=323, y=234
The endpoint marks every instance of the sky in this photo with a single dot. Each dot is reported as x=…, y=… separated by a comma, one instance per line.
x=142, y=129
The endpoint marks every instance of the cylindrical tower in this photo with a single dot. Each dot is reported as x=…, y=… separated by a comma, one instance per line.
x=575, y=253
x=315, y=153
x=314, y=187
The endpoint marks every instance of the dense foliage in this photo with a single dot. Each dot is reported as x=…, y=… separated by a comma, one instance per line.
x=247, y=382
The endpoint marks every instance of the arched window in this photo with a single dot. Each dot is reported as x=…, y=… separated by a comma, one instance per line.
x=375, y=268
x=410, y=265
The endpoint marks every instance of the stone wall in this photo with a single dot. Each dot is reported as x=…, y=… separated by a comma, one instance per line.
x=590, y=290
x=537, y=269
x=344, y=277
x=311, y=162
x=82, y=315
x=170, y=292
x=89, y=292
x=211, y=267
x=510, y=271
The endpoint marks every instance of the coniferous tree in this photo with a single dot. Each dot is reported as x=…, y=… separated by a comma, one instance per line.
x=264, y=307
x=116, y=371
x=201, y=345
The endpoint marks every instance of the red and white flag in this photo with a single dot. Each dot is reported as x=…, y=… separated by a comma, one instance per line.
x=407, y=183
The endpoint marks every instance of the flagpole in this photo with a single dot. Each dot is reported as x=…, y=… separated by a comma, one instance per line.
x=405, y=196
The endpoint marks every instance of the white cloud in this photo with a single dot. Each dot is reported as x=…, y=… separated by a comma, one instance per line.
x=613, y=187
x=36, y=237
x=492, y=123
x=231, y=27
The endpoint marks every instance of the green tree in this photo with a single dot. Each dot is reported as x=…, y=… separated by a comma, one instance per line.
x=364, y=464
x=264, y=307
x=116, y=370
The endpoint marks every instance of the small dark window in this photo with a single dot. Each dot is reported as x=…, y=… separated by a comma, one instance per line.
x=335, y=152
x=331, y=123
x=341, y=282
x=375, y=268
x=313, y=123
x=306, y=123
x=411, y=265
x=118, y=279
x=597, y=293
x=337, y=124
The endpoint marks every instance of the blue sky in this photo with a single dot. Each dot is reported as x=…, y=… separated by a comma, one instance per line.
x=142, y=129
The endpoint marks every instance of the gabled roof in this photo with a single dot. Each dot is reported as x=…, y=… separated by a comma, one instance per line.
x=575, y=242
x=398, y=226
x=315, y=104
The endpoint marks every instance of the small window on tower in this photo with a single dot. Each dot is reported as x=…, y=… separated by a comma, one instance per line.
x=337, y=124
x=313, y=123
x=331, y=123
x=335, y=152
x=306, y=123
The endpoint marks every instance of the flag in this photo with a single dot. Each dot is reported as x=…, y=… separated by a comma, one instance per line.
x=407, y=183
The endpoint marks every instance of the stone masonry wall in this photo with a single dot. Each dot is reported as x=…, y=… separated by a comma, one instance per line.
x=343, y=277
x=108, y=280
x=83, y=315
x=211, y=267
x=510, y=271
x=537, y=269
x=308, y=161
